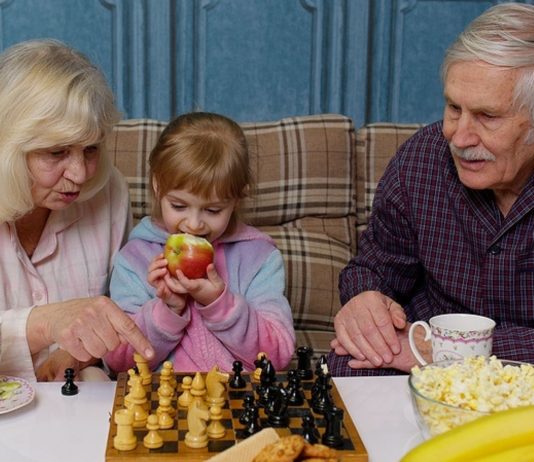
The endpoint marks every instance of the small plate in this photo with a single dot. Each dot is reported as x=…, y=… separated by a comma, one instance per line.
x=20, y=397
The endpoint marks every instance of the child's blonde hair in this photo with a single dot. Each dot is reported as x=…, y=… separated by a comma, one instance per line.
x=203, y=153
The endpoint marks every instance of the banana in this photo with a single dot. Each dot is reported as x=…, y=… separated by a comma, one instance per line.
x=482, y=437
x=518, y=454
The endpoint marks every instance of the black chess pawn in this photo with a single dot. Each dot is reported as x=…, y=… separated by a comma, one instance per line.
x=304, y=354
x=69, y=388
x=332, y=435
x=237, y=381
x=253, y=423
x=294, y=389
x=309, y=430
x=248, y=404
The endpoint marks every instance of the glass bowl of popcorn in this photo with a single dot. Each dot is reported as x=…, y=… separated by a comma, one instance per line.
x=449, y=393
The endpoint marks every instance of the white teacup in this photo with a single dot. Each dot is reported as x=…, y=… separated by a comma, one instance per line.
x=455, y=336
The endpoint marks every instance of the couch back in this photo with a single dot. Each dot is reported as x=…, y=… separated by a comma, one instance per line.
x=315, y=180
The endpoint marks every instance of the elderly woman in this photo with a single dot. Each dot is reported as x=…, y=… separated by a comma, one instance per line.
x=64, y=213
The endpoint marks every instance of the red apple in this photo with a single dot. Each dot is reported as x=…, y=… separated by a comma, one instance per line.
x=188, y=253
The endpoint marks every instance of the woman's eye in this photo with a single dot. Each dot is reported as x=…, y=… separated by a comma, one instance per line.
x=91, y=149
x=59, y=152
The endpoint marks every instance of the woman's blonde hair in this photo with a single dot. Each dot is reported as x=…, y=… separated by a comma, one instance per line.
x=50, y=95
x=203, y=153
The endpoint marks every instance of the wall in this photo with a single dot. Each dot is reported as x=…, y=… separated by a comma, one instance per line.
x=374, y=60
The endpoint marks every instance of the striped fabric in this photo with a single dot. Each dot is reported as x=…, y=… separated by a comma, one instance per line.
x=375, y=145
x=311, y=192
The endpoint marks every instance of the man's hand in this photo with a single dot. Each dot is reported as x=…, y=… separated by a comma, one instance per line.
x=366, y=328
x=86, y=328
x=404, y=360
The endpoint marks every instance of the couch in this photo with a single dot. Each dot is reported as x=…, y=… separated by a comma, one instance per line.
x=315, y=182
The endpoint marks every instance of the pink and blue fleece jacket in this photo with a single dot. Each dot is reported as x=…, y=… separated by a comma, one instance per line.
x=252, y=315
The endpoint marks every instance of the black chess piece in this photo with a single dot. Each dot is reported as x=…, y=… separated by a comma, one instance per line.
x=309, y=430
x=267, y=381
x=332, y=435
x=69, y=388
x=294, y=389
x=321, y=366
x=253, y=423
x=248, y=404
x=304, y=370
x=321, y=399
x=237, y=381
x=276, y=408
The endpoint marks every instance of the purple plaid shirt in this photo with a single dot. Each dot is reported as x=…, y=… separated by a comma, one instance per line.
x=436, y=247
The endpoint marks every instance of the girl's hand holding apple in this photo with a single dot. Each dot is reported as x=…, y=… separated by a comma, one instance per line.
x=168, y=289
x=203, y=290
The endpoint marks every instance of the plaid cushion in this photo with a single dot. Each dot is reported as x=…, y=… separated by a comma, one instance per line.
x=375, y=145
x=304, y=198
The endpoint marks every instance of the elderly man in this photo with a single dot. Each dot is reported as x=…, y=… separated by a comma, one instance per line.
x=452, y=226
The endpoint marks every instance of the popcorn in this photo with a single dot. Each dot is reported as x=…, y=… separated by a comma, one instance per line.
x=474, y=387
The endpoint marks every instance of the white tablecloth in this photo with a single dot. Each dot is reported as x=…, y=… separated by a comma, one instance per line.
x=56, y=428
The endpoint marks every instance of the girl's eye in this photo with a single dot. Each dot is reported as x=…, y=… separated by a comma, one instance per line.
x=178, y=206
x=214, y=211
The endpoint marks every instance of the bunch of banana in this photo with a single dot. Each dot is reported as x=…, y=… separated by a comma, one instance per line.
x=503, y=436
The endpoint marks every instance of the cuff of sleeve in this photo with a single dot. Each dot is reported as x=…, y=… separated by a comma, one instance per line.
x=218, y=310
x=15, y=356
x=168, y=320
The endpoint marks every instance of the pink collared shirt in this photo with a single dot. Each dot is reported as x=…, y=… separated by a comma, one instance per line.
x=73, y=259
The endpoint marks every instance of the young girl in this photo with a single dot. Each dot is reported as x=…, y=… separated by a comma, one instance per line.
x=199, y=172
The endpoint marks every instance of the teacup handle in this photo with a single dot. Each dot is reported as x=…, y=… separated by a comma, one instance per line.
x=414, y=349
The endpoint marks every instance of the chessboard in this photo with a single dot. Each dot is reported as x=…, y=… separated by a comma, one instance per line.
x=351, y=449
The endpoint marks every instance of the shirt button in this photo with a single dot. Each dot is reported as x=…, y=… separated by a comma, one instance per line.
x=37, y=295
x=494, y=250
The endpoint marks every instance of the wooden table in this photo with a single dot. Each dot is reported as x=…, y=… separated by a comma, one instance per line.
x=55, y=427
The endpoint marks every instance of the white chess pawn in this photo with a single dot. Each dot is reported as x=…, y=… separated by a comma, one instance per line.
x=143, y=368
x=152, y=439
x=164, y=413
x=125, y=439
x=137, y=401
x=130, y=382
x=185, y=399
x=167, y=365
x=216, y=428
x=165, y=387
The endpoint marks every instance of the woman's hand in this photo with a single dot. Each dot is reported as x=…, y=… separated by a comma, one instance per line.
x=85, y=327
x=53, y=369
